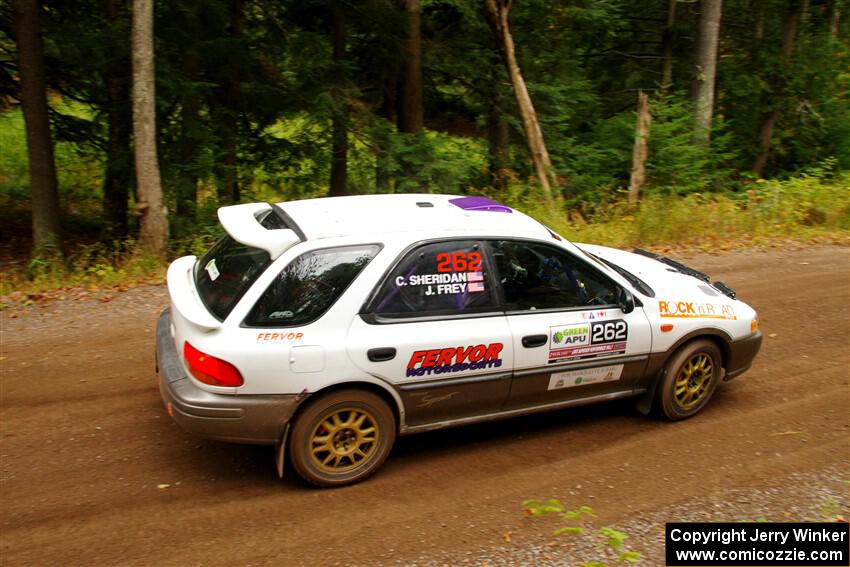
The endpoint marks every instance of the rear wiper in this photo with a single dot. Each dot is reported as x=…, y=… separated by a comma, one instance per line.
x=681, y=268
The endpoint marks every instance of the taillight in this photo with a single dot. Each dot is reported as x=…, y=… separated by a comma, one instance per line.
x=209, y=369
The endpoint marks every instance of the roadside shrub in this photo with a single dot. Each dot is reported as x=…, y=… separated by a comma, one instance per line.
x=801, y=207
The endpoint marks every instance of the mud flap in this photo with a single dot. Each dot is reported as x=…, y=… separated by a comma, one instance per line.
x=646, y=401
x=280, y=452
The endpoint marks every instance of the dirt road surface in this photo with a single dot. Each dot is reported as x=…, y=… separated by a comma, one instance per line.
x=95, y=473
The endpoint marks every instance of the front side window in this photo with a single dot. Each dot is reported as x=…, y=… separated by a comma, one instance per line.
x=306, y=288
x=442, y=278
x=537, y=276
x=226, y=272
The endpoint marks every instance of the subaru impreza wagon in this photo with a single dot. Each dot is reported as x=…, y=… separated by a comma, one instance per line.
x=328, y=327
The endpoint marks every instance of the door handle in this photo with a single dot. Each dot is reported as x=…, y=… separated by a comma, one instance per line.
x=381, y=354
x=532, y=341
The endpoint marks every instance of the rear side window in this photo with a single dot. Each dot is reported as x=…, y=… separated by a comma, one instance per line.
x=443, y=278
x=306, y=288
x=226, y=272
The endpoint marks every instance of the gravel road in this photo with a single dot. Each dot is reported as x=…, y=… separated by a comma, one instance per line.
x=93, y=472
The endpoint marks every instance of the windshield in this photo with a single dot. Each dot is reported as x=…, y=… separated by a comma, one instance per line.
x=226, y=272
x=636, y=282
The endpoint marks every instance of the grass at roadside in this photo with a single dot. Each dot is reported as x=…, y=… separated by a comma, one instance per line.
x=803, y=209
x=808, y=209
x=88, y=269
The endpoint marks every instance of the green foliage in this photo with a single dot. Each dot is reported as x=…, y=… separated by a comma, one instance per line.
x=79, y=170
x=435, y=162
x=812, y=205
x=830, y=509
x=568, y=530
x=607, y=539
x=809, y=90
x=597, y=163
x=95, y=266
x=676, y=165
x=14, y=168
x=808, y=207
x=198, y=243
x=251, y=96
x=431, y=162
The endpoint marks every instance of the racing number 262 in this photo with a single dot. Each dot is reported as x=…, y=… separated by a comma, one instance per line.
x=459, y=262
x=608, y=331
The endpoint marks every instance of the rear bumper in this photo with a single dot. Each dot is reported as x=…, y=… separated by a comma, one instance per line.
x=224, y=417
x=741, y=354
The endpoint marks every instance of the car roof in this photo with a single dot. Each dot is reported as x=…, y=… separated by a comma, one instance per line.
x=423, y=214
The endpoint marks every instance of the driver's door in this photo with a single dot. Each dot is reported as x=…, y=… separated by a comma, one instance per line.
x=436, y=333
x=571, y=340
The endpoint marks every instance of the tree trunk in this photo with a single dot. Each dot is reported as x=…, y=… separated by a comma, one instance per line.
x=43, y=186
x=233, y=98
x=765, y=135
x=758, y=37
x=790, y=31
x=769, y=120
x=186, y=177
x=709, y=33
x=834, y=20
x=641, y=150
x=339, y=150
x=153, y=224
x=497, y=16
x=388, y=110
x=498, y=136
x=119, y=163
x=410, y=116
x=667, y=47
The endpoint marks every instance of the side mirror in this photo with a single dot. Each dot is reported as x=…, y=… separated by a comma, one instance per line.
x=625, y=300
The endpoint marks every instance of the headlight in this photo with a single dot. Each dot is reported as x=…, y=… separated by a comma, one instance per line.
x=754, y=324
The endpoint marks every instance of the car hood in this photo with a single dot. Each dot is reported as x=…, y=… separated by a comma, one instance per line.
x=665, y=280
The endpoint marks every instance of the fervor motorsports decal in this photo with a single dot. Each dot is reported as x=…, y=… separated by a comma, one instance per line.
x=586, y=340
x=449, y=360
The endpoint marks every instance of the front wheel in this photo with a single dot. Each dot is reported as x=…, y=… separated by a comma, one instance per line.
x=691, y=377
x=342, y=438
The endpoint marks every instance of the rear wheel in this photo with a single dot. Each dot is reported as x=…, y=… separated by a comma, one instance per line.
x=691, y=377
x=342, y=438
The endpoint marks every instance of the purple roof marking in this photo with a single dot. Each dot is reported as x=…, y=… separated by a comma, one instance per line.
x=479, y=204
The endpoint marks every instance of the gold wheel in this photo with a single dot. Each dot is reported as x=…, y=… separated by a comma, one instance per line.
x=693, y=380
x=344, y=439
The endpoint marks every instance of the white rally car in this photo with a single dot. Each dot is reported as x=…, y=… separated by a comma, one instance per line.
x=329, y=326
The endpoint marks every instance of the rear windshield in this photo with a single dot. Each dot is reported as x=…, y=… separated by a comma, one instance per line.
x=226, y=272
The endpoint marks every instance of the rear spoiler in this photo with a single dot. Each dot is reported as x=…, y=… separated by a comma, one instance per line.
x=242, y=224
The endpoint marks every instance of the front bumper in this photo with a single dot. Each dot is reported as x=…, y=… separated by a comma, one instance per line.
x=224, y=417
x=741, y=354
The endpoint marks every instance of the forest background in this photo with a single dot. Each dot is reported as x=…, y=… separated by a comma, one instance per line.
x=662, y=122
